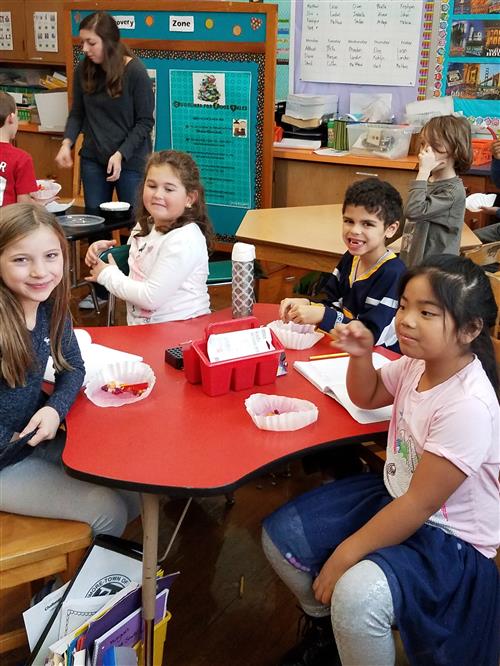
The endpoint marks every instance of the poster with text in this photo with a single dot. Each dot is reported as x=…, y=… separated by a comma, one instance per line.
x=210, y=120
x=470, y=80
x=475, y=39
x=477, y=7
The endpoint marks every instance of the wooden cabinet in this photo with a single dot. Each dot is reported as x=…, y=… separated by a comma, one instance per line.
x=23, y=15
x=307, y=179
x=280, y=282
x=43, y=149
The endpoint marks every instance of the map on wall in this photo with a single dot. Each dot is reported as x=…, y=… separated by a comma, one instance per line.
x=364, y=42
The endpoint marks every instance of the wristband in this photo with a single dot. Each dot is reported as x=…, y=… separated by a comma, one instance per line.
x=339, y=319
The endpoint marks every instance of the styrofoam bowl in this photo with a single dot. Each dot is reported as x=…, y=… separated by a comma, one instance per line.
x=115, y=206
x=295, y=336
x=47, y=189
x=128, y=372
x=58, y=207
x=474, y=202
x=279, y=412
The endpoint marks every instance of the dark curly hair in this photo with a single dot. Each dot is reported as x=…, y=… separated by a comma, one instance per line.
x=463, y=289
x=378, y=197
x=186, y=170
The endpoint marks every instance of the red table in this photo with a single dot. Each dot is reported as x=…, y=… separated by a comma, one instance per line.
x=180, y=441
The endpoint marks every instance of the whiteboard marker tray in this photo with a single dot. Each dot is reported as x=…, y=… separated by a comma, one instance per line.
x=80, y=221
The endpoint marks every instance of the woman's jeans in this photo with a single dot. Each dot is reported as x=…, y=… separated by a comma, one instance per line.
x=97, y=190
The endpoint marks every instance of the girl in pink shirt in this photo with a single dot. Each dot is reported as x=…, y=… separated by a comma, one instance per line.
x=414, y=549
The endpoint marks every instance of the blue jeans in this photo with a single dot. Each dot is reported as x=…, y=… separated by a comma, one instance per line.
x=97, y=189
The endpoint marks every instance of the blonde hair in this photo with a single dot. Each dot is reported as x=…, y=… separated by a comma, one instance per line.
x=454, y=134
x=186, y=170
x=16, y=352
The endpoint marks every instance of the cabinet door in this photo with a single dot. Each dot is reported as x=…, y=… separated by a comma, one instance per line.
x=302, y=183
x=12, y=31
x=43, y=149
x=398, y=178
x=44, y=31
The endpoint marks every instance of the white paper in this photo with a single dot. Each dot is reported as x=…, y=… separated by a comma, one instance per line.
x=53, y=109
x=36, y=617
x=45, y=31
x=6, y=41
x=226, y=346
x=370, y=108
x=329, y=376
x=366, y=42
x=297, y=143
x=94, y=356
x=75, y=612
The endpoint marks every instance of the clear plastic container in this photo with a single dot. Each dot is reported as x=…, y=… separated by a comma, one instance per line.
x=391, y=142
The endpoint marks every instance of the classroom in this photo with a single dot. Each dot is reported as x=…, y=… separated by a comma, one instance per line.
x=250, y=333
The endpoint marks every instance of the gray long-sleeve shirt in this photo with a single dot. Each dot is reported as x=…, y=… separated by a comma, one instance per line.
x=109, y=124
x=434, y=213
x=17, y=405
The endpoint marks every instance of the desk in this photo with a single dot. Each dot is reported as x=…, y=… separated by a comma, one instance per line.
x=182, y=442
x=306, y=236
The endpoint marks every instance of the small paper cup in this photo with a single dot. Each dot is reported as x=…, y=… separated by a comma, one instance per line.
x=295, y=336
x=292, y=413
x=128, y=372
x=47, y=190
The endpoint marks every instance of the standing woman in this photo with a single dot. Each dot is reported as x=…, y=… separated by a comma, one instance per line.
x=113, y=106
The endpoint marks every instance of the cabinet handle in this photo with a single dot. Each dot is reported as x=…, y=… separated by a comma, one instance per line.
x=289, y=278
x=55, y=138
x=36, y=58
x=366, y=173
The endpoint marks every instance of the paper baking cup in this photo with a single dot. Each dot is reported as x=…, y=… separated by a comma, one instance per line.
x=48, y=189
x=293, y=412
x=295, y=336
x=478, y=200
x=128, y=372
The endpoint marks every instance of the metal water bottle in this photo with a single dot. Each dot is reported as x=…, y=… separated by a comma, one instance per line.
x=243, y=288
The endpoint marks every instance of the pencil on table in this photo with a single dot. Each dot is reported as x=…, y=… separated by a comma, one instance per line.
x=321, y=356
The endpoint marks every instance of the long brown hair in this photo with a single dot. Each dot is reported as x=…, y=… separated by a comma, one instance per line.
x=111, y=70
x=16, y=351
x=186, y=170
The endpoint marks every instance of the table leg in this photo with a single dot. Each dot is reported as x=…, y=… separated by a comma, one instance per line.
x=73, y=264
x=151, y=504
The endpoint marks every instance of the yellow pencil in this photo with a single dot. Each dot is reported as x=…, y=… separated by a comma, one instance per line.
x=317, y=358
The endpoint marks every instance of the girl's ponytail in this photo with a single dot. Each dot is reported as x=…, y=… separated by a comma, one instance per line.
x=482, y=346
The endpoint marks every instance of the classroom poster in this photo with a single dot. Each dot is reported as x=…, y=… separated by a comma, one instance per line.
x=477, y=7
x=475, y=39
x=469, y=80
x=6, y=42
x=45, y=28
x=210, y=119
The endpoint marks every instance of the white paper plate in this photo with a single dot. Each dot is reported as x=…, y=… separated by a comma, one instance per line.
x=295, y=336
x=48, y=189
x=57, y=207
x=128, y=372
x=476, y=201
x=279, y=412
x=115, y=205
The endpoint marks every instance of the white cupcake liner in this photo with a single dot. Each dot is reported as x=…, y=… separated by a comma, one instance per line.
x=50, y=189
x=127, y=372
x=293, y=412
x=295, y=336
x=477, y=200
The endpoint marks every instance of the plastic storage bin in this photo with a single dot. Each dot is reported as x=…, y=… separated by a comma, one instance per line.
x=481, y=149
x=377, y=140
x=236, y=374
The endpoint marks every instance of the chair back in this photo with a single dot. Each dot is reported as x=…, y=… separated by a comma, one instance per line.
x=488, y=253
x=494, y=279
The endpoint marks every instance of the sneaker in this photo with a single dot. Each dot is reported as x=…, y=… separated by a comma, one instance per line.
x=88, y=304
x=316, y=647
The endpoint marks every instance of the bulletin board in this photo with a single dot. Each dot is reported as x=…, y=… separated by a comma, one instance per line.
x=213, y=69
x=342, y=47
x=469, y=71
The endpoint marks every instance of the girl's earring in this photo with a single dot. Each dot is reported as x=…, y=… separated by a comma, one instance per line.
x=189, y=205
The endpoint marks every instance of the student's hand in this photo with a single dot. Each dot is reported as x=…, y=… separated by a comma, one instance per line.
x=46, y=422
x=287, y=303
x=114, y=167
x=353, y=338
x=490, y=210
x=306, y=314
x=495, y=149
x=98, y=267
x=64, y=158
x=332, y=570
x=428, y=161
x=95, y=249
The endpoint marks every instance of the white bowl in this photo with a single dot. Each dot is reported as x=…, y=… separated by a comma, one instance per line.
x=279, y=412
x=56, y=207
x=127, y=372
x=115, y=205
x=46, y=189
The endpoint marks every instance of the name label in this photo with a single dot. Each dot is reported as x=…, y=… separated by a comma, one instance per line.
x=181, y=24
x=125, y=22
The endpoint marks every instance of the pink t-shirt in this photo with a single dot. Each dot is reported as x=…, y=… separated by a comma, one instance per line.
x=458, y=420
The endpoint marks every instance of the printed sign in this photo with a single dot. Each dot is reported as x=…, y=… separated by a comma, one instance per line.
x=125, y=22
x=181, y=24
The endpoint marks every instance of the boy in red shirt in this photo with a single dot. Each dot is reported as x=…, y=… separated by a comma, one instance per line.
x=17, y=174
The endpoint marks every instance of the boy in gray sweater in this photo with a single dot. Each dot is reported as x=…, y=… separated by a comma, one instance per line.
x=435, y=207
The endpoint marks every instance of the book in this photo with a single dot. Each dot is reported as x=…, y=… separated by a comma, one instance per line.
x=94, y=356
x=297, y=143
x=306, y=123
x=329, y=376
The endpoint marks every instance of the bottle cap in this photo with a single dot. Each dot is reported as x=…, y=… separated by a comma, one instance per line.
x=243, y=252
